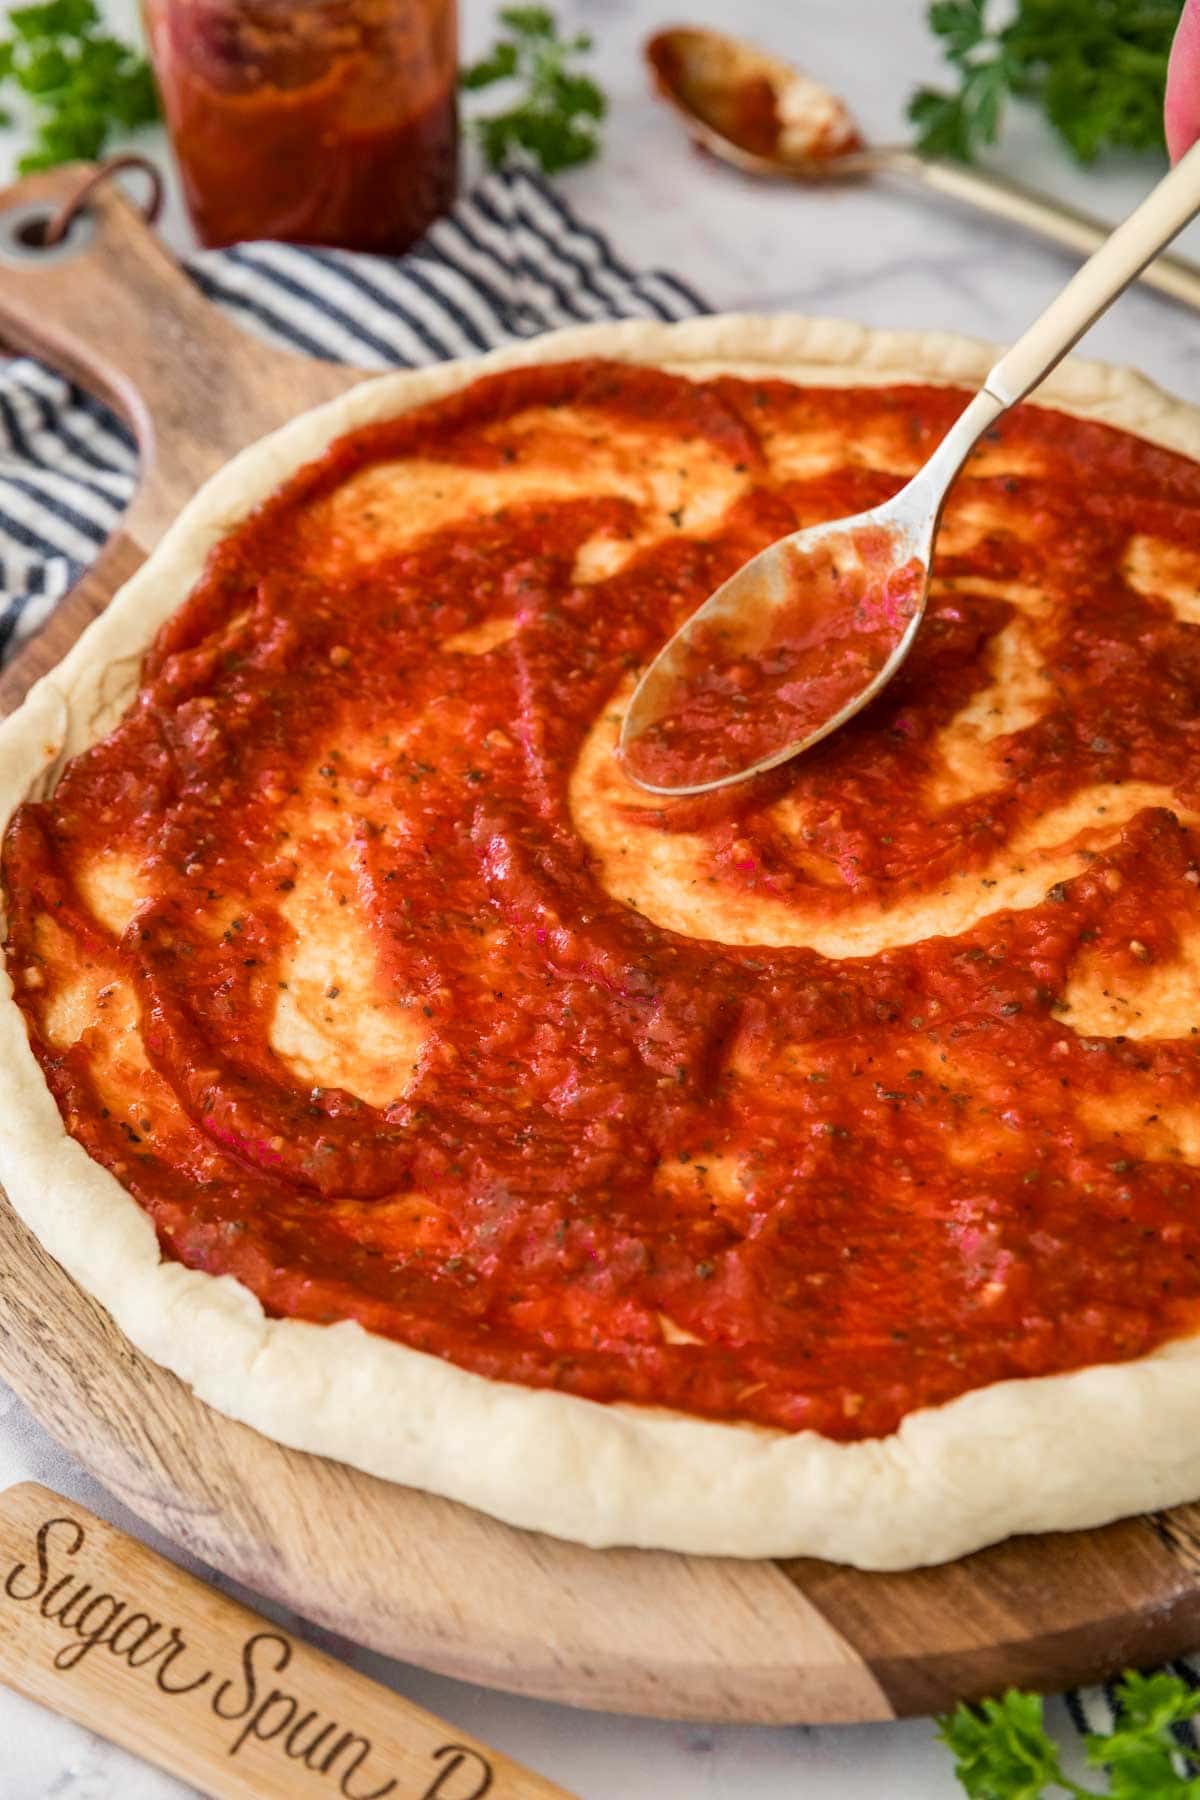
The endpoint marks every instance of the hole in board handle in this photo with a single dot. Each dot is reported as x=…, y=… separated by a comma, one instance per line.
x=23, y=236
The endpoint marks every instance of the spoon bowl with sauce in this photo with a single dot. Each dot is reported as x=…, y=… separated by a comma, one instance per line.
x=810, y=630
x=753, y=110
x=793, y=645
x=766, y=117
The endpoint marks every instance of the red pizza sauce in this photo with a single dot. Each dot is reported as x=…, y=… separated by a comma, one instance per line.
x=854, y=1185
x=747, y=684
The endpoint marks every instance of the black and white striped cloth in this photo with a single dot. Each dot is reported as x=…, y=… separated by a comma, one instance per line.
x=510, y=261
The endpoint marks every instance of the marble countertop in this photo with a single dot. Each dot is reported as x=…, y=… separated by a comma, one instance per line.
x=880, y=253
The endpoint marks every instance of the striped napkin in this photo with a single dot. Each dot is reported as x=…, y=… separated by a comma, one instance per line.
x=509, y=262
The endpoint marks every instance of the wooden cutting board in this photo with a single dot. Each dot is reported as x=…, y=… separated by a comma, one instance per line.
x=421, y=1578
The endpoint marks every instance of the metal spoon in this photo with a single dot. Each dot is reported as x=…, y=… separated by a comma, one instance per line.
x=767, y=118
x=840, y=604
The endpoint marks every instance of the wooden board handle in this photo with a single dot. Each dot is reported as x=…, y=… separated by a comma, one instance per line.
x=96, y=1626
x=112, y=308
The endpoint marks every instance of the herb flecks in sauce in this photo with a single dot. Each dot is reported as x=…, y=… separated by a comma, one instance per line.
x=558, y=1124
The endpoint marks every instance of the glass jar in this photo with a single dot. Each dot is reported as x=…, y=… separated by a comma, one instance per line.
x=315, y=121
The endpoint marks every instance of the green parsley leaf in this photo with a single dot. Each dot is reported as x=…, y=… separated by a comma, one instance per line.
x=80, y=83
x=1003, y=1752
x=941, y=123
x=960, y=25
x=1097, y=69
x=529, y=21
x=555, y=120
x=1142, y=1753
x=499, y=66
x=59, y=19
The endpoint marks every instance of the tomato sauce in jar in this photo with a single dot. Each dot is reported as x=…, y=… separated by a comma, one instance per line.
x=324, y=122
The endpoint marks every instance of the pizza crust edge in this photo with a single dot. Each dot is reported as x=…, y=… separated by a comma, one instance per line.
x=1049, y=1453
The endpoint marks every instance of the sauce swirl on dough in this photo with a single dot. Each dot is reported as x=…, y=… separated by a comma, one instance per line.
x=356, y=959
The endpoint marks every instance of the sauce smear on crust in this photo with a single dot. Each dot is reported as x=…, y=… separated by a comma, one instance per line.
x=355, y=958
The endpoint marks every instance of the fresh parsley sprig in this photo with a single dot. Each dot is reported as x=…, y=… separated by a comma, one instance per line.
x=557, y=118
x=1002, y=1750
x=1097, y=68
x=82, y=83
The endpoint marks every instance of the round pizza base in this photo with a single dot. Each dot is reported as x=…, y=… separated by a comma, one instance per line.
x=1053, y=1453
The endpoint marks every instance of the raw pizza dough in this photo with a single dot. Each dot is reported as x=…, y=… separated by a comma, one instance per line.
x=1056, y=1452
